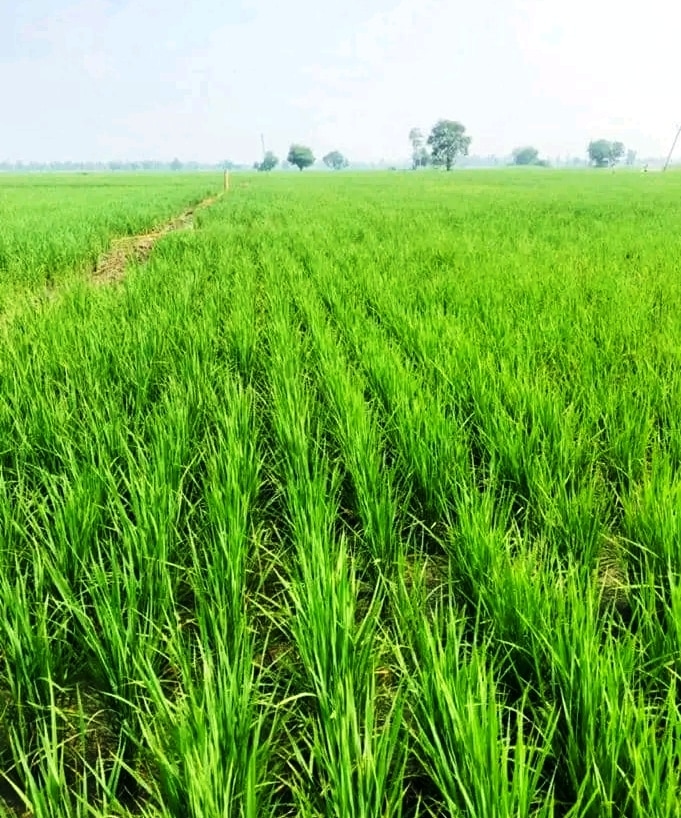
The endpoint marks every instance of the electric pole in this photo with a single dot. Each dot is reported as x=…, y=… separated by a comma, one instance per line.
x=669, y=158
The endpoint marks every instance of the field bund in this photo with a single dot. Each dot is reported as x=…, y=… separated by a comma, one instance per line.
x=362, y=498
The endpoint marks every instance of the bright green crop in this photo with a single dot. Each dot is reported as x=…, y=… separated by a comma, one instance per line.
x=360, y=499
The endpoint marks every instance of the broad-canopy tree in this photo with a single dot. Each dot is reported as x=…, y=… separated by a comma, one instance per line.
x=335, y=160
x=447, y=141
x=525, y=156
x=301, y=156
x=268, y=163
x=605, y=154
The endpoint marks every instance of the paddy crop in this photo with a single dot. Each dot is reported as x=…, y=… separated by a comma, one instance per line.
x=53, y=227
x=361, y=499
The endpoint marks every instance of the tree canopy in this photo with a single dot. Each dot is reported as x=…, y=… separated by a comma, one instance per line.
x=268, y=163
x=301, y=156
x=604, y=154
x=335, y=160
x=448, y=140
x=525, y=156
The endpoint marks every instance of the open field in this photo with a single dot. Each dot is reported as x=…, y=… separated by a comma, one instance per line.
x=361, y=499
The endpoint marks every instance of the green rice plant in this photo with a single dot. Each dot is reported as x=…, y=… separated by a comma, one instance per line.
x=359, y=440
x=74, y=763
x=356, y=760
x=484, y=757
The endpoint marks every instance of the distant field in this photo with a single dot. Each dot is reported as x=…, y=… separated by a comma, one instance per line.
x=361, y=499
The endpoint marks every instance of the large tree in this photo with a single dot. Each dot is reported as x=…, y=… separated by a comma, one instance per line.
x=301, y=156
x=448, y=140
x=335, y=160
x=604, y=154
x=525, y=156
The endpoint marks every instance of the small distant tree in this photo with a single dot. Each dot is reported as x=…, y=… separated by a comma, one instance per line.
x=616, y=153
x=525, y=156
x=447, y=141
x=631, y=157
x=301, y=156
x=268, y=163
x=605, y=154
x=599, y=152
x=335, y=160
x=176, y=164
x=421, y=158
x=417, y=147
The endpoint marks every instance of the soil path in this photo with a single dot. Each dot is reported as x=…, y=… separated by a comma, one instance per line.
x=111, y=265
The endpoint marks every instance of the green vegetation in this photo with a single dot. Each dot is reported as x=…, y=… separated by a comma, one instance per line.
x=53, y=227
x=269, y=162
x=362, y=499
x=420, y=155
x=335, y=160
x=605, y=154
x=447, y=140
x=525, y=156
x=300, y=156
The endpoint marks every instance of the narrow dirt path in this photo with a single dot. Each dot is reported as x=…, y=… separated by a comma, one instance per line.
x=111, y=265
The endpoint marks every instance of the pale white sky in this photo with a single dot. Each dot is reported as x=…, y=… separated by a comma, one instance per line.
x=132, y=79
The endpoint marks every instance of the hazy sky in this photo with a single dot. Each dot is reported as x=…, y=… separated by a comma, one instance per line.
x=131, y=79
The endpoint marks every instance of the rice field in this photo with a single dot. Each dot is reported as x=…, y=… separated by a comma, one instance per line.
x=53, y=227
x=361, y=499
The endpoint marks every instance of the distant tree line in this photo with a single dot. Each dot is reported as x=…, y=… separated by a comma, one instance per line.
x=448, y=141
x=132, y=166
x=301, y=157
x=446, y=145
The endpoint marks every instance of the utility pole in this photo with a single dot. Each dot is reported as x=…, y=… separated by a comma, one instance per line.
x=669, y=158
